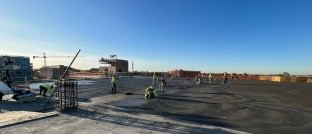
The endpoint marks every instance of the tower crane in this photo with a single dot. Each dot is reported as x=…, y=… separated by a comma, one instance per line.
x=45, y=57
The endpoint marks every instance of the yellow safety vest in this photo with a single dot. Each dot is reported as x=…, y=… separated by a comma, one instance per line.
x=114, y=80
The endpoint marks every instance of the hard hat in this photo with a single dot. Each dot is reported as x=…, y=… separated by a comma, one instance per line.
x=151, y=87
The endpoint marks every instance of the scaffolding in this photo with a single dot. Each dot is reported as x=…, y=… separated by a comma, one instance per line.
x=66, y=94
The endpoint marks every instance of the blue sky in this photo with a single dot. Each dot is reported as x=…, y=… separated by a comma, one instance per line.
x=253, y=36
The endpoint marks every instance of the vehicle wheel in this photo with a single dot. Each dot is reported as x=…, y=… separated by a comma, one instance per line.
x=1, y=95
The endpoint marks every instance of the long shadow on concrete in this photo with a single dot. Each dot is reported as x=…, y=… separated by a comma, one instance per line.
x=163, y=127
x=190, y=118
x=179, y=99
x=260, y=83
x=208, y=93
x=140, y=110
x=245, y=84
x=35, y=106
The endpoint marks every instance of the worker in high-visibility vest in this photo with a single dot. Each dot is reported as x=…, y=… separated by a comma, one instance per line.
x=155, y=79
x=45, y=87
x=114, y=83
x=150, y=93
x=210, y=78
x=198, y=80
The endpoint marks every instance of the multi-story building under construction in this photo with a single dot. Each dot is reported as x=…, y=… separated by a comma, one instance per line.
x=115, y=65
x=20, y=69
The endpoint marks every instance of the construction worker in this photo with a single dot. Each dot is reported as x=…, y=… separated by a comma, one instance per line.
x=114, y=82
x=232, y=76
x=225, y=77
x=155, y=79
x=162, y=84
x=198, y=80
x=45, y=87
x=150, y=92
x=187, y=80
x=210, y=78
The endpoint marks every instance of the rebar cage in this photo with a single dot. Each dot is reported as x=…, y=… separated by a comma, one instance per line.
x=66, y=95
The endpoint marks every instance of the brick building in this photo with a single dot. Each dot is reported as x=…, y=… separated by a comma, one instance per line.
x=183, y=73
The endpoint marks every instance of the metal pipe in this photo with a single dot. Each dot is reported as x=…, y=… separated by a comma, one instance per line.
x=61, y=79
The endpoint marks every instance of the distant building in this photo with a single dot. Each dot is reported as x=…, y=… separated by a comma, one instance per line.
x=85, y=75
x=103, y=69
x=310, y=80
x=52, y=72
x=265, y=77
x=247, y=77
x=300, y=79
x=279, y=78
x=182, y=73
x=117, y=65
x=95, y=70
x=21, y=69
